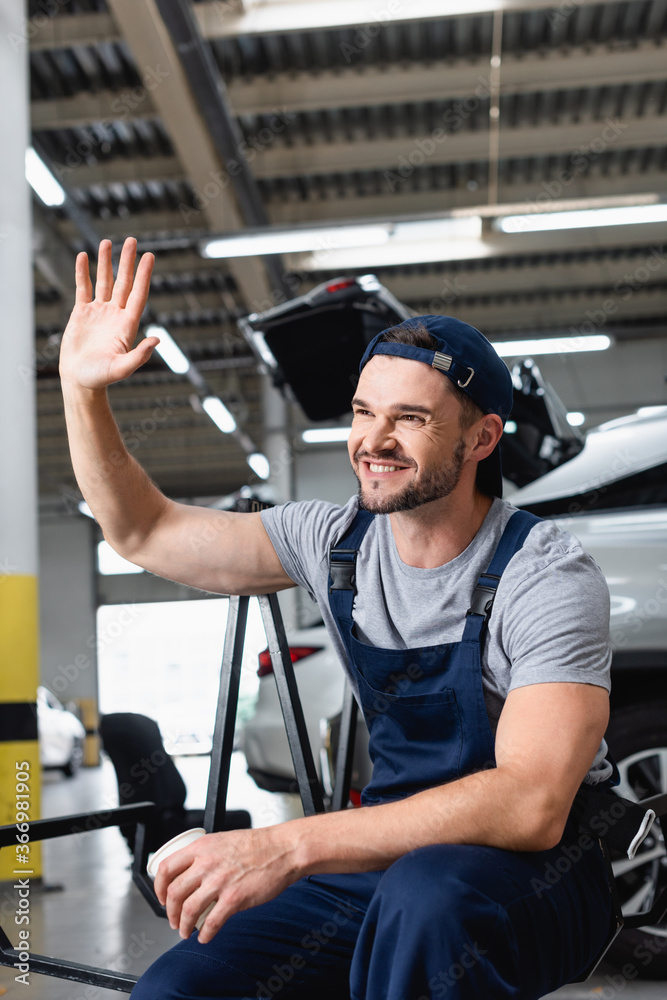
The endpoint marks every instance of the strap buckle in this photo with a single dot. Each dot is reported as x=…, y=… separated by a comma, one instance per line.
x=483, y=597
x=342, y=570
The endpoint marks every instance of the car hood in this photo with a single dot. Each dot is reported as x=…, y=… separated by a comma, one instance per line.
x=612, y=451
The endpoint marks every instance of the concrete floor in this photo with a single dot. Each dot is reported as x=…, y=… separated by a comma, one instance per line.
x=89, y=911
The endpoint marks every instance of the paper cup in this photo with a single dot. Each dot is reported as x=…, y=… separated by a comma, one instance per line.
x=175, y=844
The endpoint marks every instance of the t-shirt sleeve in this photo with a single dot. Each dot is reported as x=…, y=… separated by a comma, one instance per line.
x=557, y=620
x=302, y=533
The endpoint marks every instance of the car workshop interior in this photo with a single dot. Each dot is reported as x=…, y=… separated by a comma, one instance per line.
x=307, y=174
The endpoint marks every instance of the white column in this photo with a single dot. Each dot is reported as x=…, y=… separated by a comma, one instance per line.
x=18, y=467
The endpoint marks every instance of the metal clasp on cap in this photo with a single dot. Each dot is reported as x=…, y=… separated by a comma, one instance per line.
x=467, y=382
x=441, y=361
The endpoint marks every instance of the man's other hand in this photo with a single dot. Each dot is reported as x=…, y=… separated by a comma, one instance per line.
x=235, y=870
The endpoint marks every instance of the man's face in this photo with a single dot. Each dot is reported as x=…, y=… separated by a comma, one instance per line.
x=406, y=445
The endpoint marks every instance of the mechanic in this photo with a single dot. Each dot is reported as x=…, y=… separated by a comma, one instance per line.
x=483, y=726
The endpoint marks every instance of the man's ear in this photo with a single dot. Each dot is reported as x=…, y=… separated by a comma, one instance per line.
x=488, y=432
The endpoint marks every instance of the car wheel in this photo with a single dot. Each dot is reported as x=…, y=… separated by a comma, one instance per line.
x=637, y=737
x=75, y=761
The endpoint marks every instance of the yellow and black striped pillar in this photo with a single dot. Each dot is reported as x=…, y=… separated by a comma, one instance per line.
x=19, y=749
x=19, y=669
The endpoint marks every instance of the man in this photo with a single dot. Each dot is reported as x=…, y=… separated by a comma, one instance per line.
x=485, y=718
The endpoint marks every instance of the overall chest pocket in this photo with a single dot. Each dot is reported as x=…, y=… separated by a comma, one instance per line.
x=430, y=718
x=426, y=718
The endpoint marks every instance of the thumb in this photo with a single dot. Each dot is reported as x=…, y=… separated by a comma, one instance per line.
x=138, y=356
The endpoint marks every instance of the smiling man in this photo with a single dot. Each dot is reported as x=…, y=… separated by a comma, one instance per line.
x=476, y=639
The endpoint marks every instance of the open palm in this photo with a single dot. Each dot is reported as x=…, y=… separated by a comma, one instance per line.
x=96, y=348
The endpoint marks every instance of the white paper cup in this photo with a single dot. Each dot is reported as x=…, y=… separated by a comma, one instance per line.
x=175, y=844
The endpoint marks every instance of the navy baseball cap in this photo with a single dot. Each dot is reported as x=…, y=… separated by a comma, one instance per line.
x=466, y=357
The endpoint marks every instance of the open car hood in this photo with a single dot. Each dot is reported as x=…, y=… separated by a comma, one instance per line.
x=538, y=437
x=312, y=345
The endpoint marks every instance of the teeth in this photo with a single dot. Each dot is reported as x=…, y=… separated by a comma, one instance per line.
x=383, y=468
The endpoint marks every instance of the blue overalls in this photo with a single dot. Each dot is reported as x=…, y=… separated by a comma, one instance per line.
x=428, y=725
x=449, y=920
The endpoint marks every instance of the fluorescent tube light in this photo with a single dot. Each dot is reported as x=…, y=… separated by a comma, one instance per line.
x=541, y=221
x=259, y=464
x=415, y=242
x=510, y=427
x=575, y=418
x=219, y=414
x=41, y=180
x=169, y=350
x=325, y=435
x=552, y=345
x=295, y=241
x=85, y=509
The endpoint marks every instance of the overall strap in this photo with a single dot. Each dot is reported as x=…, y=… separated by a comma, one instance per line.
x=343, y=565
x=515, y=533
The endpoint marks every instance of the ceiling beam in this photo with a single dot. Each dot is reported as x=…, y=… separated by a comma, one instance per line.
x=400, y=156
x=86, y=109
x=534, y=279
x=581, y=314
x=68, y=30
x=560, y=69
x=406, y=202
x=147, y=36
x=639, y=291
x=531, y=72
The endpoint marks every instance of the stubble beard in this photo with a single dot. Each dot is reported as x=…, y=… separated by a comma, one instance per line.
x=432, y=484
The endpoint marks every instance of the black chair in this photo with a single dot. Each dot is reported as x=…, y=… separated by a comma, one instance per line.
x=145, y=771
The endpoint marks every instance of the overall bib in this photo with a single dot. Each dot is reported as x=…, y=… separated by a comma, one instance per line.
x=424, y=707
x=452, y=921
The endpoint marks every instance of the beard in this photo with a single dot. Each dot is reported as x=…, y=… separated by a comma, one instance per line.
x=432, y=484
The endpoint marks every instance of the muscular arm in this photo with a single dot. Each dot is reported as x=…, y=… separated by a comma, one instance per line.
x=547, y=738
x=214, y=550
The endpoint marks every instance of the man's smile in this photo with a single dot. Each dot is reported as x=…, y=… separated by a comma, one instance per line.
x=381, y=468
x=384, y=468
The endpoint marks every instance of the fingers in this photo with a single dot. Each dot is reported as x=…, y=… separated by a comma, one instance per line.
x=173, y=865
x=185, y=900
x=138, y=297
x=192, y=910
x=213, y=921
x=84, y=286
x=104, y=282
x=123, y=284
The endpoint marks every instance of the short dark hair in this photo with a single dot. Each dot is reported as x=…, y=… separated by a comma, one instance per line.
x=416, y=335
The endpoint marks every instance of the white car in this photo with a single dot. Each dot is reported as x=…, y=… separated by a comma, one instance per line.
x=61, y=734
x=321, y=681
x=613, y=497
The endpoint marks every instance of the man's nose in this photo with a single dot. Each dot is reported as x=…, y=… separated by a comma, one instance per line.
x=380, y=436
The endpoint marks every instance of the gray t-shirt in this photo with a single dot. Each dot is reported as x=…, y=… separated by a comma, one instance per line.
x=550, y=619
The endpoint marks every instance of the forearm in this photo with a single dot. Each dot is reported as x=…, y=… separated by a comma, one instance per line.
x=124, y=500
x=490, y=807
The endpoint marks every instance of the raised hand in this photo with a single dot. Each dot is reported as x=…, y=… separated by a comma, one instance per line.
x=96, y=348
